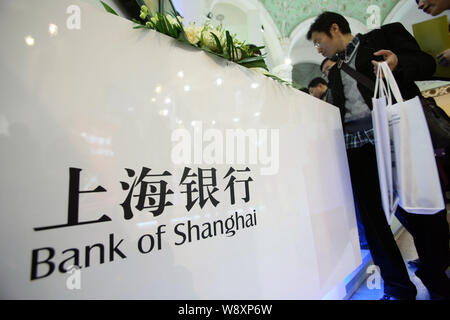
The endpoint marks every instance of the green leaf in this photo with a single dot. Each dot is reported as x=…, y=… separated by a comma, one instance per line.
x=252, y=50
x=168, y=27
x=277, y=79
x=152, y=24
x=159, y=24
x=182, y=37
x=230, y=45
x=171, y=30
x=179, y=22
x=254, y=64
x=252, y=59
x=244, y=54
x=219, y=46
x=108, y=8
x=139, y=22
x=164, y=28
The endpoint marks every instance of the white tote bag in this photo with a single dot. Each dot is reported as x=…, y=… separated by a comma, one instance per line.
x=405, y=156
x=385, y=157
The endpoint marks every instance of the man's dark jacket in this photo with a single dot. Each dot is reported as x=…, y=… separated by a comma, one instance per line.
x=413, y=63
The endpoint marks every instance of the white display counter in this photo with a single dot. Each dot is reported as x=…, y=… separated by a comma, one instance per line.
x=160, y=170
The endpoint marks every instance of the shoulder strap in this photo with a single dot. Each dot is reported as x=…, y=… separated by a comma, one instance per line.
x=359, y=77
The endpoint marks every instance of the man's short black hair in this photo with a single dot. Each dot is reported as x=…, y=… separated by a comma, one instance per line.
x=305, y=90
x=324, y=21
x=333, y=58
x=323, y=62
x=316, y=81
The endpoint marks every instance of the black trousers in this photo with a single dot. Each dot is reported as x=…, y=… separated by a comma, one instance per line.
x=430, y=232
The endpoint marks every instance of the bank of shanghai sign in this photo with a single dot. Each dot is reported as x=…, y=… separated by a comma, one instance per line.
x=183, y=208
x=149, y=193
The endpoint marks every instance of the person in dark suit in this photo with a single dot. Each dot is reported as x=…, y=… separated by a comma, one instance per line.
x=332, y=37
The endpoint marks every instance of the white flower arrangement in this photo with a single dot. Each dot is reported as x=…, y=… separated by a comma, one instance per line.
x=208, y=38
x=193, y=34
x=215, y=40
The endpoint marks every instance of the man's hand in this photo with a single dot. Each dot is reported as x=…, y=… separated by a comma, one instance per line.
x=444, y=58
x=388, y=56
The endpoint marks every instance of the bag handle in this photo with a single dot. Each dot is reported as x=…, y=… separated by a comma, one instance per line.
x=390, y=81
x=383, y=68
x=380, y=87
